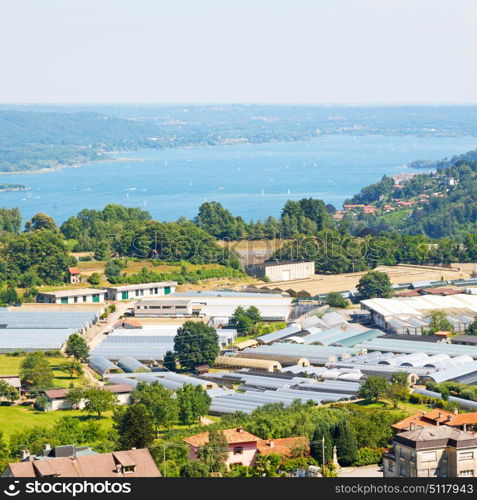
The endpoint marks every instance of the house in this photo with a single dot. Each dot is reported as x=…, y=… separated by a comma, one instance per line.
x=282, y=270
x=75, y=463
x=14, y=381
x=436, y=417
x=244, y=447
x=57, y=397
x=74, y=275
x=78, y=296
x=432, y=451
x=128, y=292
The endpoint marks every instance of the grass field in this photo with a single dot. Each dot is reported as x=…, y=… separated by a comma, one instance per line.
x=10, y=365
x=17, y=418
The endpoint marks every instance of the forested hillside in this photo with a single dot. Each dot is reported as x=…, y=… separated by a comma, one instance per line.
x=437, y=204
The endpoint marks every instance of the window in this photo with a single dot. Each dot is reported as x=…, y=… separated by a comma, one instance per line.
x=85, y=298
x=238, y=450
x=466, y=473
x=76, y=300
x=465, y=455
x=64, y=300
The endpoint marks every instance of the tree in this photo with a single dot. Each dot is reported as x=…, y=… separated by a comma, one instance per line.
x=242, y=322
x=169, y=361
x=345, y=442
x=75, y=396
x=194, y=468
x=160, y=403
x=196, y=344
x=375, y=284
x=8, y=392
x=101, y=252
x=254, y=314
x=73, y=367
x=94, y=279
x=193, y=402
x=214, y=453
x=134, y=427
x=335, y=299
x=267, y=465
x=472, y=328
x=41, y=221
x=322, y=430
x=77, y=347
x=373, y=389
x=397, y=392
x=439, y=322
x=99, y=401
x=36, y=371
x=400, y=378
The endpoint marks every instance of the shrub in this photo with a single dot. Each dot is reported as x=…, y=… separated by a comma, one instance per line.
x=368, y=456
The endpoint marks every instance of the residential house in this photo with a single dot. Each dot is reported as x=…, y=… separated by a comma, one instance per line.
x=78, y=462
x=57, y=398
x=14, y=381
x=74, y=275
x=243, y=447
x=432, y=451
x=436, y=417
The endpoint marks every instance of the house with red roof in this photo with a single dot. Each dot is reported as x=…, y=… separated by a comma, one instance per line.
x=243, y=447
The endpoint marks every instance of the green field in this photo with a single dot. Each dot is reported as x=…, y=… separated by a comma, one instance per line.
x=10, y=365
x=17, y=418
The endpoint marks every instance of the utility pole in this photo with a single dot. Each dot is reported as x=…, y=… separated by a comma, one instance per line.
x=323, y=455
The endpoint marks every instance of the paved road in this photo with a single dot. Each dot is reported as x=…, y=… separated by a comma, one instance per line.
x=366, y=471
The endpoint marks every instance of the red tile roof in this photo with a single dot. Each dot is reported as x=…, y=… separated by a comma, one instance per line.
x=284, y=446
x=74, y=270
x=435, y=416
x=233, y=436
x=98, y=465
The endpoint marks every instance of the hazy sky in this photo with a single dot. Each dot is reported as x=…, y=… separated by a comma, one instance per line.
x=311, y=51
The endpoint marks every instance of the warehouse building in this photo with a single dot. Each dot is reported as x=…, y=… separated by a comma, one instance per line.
x=409, y=315
x=282, y=270
x=218, y=306
x=78, y=296
x=128, y=292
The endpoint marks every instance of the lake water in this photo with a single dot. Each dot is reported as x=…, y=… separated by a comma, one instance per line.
x=252, y=180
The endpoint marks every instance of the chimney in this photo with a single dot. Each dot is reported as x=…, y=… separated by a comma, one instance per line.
x=24, y=455
x=239, y=429
x=412, y=426
x=456, y=411
x=271, y=443
x=47, y=447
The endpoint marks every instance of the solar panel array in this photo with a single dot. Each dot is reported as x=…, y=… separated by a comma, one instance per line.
x=40, y=330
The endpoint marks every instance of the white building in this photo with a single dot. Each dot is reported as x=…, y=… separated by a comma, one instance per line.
x=218, y=306
x=127, y=292
x=77, y=296
x=282, y=270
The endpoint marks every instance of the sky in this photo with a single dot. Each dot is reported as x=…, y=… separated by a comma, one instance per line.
x=228, y=51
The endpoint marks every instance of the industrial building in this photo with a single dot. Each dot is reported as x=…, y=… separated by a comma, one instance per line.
x=147, y=342
x=409, y=315
x=282, y=270
x=76, y=296
x=218, y=306
x=23, y=329
x=128, y=292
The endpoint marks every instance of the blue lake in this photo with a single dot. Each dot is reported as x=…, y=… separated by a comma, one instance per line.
x=252, y=180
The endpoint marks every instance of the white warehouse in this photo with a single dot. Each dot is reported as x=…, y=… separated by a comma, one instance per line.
x=282, y=270
x=127, y=292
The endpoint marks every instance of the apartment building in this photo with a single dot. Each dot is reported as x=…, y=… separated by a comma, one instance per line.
x=435, y=451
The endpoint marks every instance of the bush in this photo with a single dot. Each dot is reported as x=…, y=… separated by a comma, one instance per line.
x=368, y=456
x=335, y=299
